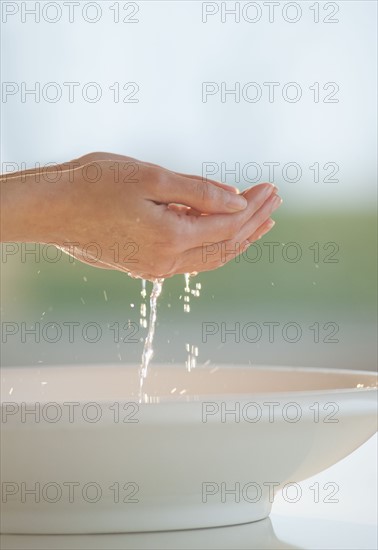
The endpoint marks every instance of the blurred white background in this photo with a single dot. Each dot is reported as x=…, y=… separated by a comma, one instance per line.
x=169, y=53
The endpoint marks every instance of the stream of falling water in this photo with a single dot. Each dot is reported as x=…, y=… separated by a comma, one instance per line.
x=148, y=351
x=192, y=350
x=157, y=287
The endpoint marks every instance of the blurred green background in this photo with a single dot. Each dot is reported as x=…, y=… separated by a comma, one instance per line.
x=339, y=295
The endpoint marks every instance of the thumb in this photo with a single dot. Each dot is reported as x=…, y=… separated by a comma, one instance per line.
x=198, y=194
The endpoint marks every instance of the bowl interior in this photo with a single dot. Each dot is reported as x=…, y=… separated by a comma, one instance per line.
x=171, y=382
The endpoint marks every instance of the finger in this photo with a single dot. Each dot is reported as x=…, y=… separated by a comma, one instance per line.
x=261, y=216
x=261, y=231
x=95, y=157
x=217, y=183
x=217, y=253
x=85, y=159
x=200, y=195
x=180, y=209
x=197, y=230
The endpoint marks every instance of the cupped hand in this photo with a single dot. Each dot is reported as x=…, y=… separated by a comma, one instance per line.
x=140, y=218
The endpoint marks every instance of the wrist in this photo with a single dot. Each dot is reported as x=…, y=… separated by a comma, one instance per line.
x=32, y=206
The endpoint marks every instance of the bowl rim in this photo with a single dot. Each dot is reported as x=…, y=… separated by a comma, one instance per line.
x=205, y=397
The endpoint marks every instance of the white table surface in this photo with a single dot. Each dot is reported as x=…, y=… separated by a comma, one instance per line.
x=350, y=523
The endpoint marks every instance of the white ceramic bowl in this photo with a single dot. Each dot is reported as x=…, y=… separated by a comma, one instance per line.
x=209, y=448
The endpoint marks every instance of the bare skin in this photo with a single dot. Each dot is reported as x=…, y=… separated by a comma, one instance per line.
x=116, y=212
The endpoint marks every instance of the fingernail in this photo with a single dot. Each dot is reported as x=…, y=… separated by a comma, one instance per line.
x=267, y=191
x=237, y=202
x=276, y=201
x=268, y=227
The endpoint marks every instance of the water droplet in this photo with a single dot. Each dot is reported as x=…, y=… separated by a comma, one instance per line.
x=143, y=292
x=187, y=282
x=187, y=293
x=191, y=361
